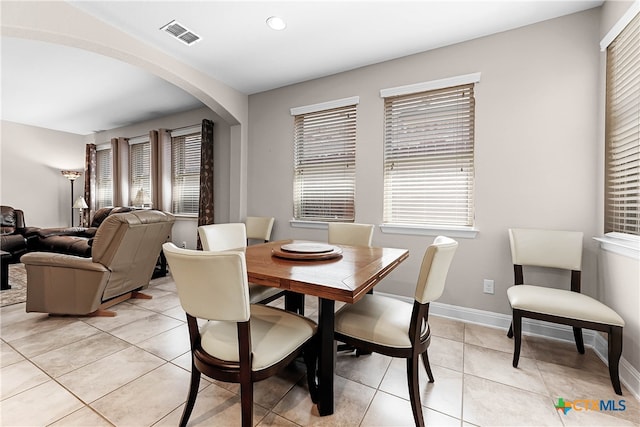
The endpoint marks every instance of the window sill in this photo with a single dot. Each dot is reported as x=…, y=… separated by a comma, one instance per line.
x=622, y=244
x=417, y=230
x=297, y=223
x=414, y=230
x=184, y=217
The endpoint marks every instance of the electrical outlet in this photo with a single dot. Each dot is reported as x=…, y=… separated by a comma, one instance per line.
x=488, y=286
x=184, y=245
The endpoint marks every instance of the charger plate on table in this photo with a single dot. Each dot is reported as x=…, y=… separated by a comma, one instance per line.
x=307, y=251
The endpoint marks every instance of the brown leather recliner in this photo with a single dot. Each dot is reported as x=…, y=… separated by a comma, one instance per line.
x=124, y=253
x=74, y=240
x=14, y=234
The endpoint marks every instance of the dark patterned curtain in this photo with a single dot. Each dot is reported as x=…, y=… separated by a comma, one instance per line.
x=89, y=184
x=205, y=210
x=115, y=170
x=155, y=178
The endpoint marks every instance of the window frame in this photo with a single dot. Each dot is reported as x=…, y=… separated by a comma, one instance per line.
x=460, y=231
x=621, y=243
x=147, y=183
x=309, y=117
x=100, y=150
x=184, y=133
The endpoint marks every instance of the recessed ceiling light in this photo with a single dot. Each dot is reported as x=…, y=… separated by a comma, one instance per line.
x=276, y=23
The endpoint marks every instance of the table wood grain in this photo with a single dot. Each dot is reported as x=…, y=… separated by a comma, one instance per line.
x=346, y=278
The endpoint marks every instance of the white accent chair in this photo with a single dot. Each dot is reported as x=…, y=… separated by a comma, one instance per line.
x=396, y=328
x=233, y=236
x=238, y=342
x=259, y=228
x=351, y=234
x=559, y=250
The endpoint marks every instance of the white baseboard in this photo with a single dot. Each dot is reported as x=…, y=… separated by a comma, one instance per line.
x=629, y=376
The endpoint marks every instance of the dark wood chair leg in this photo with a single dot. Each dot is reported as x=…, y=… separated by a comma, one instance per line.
x=615, y=352
x=191, y=399
x=414, y=390
x=310, y=356
x=427, y=366
x=577, y=335
x=246, y=402
x=517, y=334
x=510, y=331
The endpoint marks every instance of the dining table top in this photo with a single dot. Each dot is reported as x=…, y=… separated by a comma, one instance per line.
x=345, y=277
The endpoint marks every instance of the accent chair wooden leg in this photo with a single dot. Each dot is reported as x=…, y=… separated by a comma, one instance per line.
x=427, y=366
x=191, y=398
x=517, y=334
x=615, y=352
x=414, y=390
x=577, y=335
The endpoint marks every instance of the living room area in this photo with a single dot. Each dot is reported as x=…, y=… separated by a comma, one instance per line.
x=538, y=162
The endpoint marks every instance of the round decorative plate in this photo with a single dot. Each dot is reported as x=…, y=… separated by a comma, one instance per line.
x=307, y=248
x=305, y=253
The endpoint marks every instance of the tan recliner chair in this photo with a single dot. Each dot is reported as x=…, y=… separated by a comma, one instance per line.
x=124, y=253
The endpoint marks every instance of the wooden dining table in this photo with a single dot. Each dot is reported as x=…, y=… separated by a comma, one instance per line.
x=347, y=277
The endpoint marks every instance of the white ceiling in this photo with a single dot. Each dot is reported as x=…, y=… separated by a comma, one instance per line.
x=68, y=89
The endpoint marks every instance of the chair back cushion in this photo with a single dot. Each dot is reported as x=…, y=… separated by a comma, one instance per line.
x=259, y=227
x=433, y=271
x=11, y=218
x=352, y=234
x=546, y=248
x=129, y=244
x=211, y=285
x=223, y=237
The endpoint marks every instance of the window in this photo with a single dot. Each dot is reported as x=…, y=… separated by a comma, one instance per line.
x=622, y=167
x=324, y=163
x=428, y=154
x=324, y=159
x=185, y=173
x=139, y=173
x=104, y=178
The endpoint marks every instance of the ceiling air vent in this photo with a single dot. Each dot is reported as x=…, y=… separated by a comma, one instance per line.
x=180, y=32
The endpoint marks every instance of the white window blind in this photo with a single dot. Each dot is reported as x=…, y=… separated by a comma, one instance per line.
x=104, y=179
x=140, y=174
x=622, y=168
x=324, y=165
x=185, y=173
x=429, y=157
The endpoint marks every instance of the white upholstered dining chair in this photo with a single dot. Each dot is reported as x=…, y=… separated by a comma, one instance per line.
x=396, y=328
x=553, y=249
x=235, y=341
x=350, y=233
x=259, y=228
x=233, y=236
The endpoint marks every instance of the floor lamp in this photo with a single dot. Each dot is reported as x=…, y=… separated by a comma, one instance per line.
x=81, y=205
x=71, y=176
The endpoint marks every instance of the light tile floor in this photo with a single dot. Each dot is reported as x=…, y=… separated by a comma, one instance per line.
x=133, y=370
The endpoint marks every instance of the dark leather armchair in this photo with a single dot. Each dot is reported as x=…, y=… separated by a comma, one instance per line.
x=15, y=236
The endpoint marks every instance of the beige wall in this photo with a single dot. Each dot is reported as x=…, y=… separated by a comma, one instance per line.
x=32, y=159
x=535, y=148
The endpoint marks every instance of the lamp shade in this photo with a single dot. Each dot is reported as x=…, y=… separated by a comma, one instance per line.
x=80, y=203
x=71, y=175
x=141, y=198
